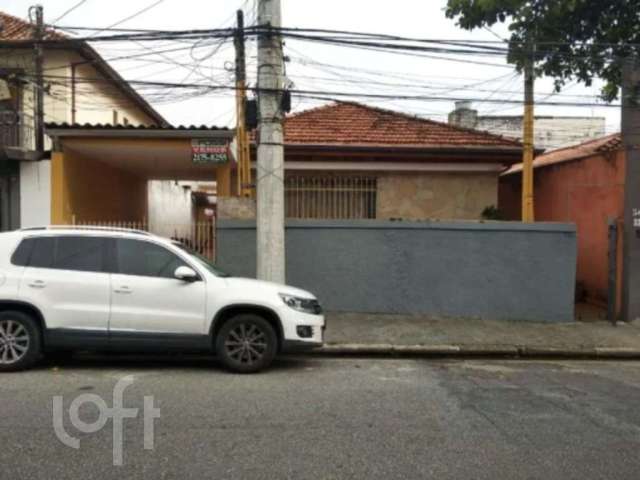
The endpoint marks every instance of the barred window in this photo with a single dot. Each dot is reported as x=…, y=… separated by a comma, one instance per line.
x=330, y=197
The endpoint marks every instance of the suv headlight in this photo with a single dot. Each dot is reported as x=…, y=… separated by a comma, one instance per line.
x=306, y=305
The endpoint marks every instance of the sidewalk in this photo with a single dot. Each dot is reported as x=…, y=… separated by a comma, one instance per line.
x=418, y=335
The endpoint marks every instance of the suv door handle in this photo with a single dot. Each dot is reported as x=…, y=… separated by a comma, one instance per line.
x=124, y=290
x=37, y=284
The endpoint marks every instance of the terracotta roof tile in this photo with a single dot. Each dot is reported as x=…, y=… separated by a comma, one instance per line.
x=605, y=144
x=354, y=124
x=16, y=29
x=108, y=126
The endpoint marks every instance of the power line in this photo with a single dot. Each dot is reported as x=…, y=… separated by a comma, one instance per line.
x=130, y=57
x=305, y=61
x=341, y=94
x=355, y=34
x=131, y=17
x=337, y=95
x=355, y=40
x=438, y=87
x=417, y=50
x=164, y=91
x=67, y=12
x=363, y=82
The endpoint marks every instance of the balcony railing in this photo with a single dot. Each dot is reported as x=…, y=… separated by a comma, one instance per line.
x=16, y=130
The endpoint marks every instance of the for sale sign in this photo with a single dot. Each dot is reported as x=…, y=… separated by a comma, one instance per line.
x=209, y=150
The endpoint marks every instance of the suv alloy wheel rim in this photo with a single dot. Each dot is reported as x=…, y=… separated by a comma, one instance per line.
x=246, y=343
x=14, y=342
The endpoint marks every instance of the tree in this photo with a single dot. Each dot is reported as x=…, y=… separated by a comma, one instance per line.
x=567, y=39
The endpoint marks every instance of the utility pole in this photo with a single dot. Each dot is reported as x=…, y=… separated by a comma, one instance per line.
x=242, y=136
x=39, y=93
x=270, y=168
x=527, y=160
x=631, y=143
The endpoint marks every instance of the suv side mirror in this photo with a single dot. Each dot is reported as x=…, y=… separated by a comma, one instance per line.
x=185, y=274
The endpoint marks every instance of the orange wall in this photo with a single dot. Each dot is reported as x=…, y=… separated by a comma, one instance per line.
x=587, y=192
x=88, y=190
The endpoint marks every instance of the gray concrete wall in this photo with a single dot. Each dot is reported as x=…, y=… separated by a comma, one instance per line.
x=494, y=270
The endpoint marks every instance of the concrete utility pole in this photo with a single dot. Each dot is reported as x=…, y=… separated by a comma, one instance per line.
x=242, y=137
x=39, y=93
x=631, y=142
x=527, y=140
x=270, y=168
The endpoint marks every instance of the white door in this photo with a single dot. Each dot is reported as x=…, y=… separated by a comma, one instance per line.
x=65, y=277
x=148, y=299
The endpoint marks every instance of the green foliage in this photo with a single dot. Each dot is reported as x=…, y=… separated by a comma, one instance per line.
x=574, y=39
x=492, y=213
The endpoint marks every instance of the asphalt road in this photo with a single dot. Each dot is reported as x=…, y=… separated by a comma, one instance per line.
x=326, y=418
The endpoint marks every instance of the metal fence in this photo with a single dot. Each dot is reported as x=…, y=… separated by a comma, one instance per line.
x=330, y=197
x=200, y=236
x=16, y=129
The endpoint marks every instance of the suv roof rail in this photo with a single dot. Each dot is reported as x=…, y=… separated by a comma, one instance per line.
x=87, y=227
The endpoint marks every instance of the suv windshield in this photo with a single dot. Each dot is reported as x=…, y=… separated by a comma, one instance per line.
x=202, y=260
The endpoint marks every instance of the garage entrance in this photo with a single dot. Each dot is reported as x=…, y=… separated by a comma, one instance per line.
x=163, y=180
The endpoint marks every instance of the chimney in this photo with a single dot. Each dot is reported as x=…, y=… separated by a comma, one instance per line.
x=464, y=115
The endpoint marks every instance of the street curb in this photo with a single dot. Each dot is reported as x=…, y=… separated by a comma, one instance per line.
x=521, y=351
x=619, y=352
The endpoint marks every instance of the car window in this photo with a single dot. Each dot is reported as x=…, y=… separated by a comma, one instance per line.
x=202, y=260
x=43, y=252
x=135, y=257
x=81, y=253
x=22, y=254
x=78, y=253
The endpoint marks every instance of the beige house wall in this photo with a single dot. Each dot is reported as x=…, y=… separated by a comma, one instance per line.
x=96, y=97
x=434, y=195
x=97, y=101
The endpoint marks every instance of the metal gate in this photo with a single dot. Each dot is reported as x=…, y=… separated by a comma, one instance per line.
x=200, y=236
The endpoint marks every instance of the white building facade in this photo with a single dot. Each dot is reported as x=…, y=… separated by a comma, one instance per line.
x=550, y=132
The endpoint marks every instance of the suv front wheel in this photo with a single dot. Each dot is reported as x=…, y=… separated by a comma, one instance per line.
x=246, y=343
x=19, y=341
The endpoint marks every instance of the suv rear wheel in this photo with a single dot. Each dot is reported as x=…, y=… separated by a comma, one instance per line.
x=246, y=343
x=20, y=343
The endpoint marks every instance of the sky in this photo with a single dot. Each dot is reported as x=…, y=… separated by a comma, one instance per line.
x=311, y=66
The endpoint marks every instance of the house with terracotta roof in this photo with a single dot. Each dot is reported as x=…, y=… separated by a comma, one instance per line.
x=342, y=161
x=581, y=184
x=80, y=87
x=349, y=160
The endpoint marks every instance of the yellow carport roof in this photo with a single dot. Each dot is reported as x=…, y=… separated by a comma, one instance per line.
x=151, y=152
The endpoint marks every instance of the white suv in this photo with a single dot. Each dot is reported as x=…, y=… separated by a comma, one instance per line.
x=64, y=289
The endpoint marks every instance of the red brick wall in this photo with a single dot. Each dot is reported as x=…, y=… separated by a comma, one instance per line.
x=586, y=192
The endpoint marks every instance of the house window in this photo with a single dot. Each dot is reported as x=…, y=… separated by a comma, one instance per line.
x=16, y=127
x=330, y=197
